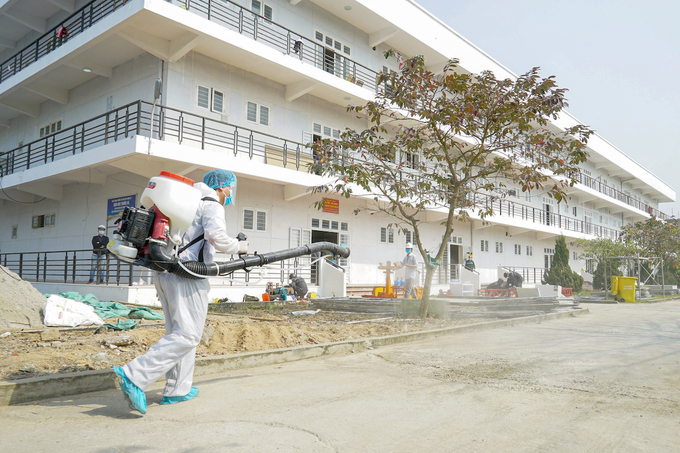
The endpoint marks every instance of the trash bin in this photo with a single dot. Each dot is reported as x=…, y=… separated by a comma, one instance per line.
x=623, y=288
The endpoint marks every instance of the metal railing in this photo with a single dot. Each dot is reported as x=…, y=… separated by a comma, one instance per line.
x=529, y=274
x=76, y=267
x=532, y=214
x=93, y=133
x=66, y=266
x=170, y=125
x=184, y=128
x=224, y=12
x=605, y=189
x=74, y=25
x=261, y=29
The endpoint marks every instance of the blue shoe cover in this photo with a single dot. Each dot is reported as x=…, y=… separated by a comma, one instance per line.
x=179, y=399
x=134, y=396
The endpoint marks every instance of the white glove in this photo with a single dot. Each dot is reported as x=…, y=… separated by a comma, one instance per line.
x=243, y=246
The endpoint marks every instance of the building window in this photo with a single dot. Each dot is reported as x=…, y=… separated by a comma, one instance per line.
x=575, y=211
x=38, y=221
x=574, y=255
x=50, y=220
x=499, y=247
x=15, y=229
x=262, y=9
x=254, y=220
x=256, y=113
x=518, y=249
x=51, y=128
x=217, y=101
x=409, y=236
x=589, y=266
x=210, y=99
x=330, y=224
x=386, y=235
x=530, y=250
x=484, y=246
x=325, y=131
x=203, y=97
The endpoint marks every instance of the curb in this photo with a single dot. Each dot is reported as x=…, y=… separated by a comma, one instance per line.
x=45, y=387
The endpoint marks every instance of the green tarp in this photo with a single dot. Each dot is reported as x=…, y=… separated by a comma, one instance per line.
x=121, y=325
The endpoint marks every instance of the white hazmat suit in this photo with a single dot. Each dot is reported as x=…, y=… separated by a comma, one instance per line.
x=185, y=304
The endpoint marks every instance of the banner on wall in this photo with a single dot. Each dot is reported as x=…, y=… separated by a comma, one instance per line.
x=115, y=207
x=331, y=206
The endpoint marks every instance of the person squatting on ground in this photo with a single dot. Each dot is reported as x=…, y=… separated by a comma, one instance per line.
x=98, y=254
x=410, y=273
x=185, y=302
x=299, y=286
x=514, y=279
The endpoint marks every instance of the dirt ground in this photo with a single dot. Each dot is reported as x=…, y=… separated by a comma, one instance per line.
x=50, y=350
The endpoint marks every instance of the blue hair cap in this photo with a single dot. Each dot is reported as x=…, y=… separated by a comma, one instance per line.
x=219, y=178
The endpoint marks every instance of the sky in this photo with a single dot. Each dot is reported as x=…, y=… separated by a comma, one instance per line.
x=620, y=60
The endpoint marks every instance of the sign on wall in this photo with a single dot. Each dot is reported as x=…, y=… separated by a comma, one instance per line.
x=115, y=206
x=331, y=206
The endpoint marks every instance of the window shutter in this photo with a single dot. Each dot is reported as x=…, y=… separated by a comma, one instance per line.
x=306, y=239
x=252, y=112
x=218, y=101
x=256, y=6
x=261, y=221
x=264, y=115
x=248, y=219
x=203, y=97
x=268, y=12
x=295, y=237
x=344, y=242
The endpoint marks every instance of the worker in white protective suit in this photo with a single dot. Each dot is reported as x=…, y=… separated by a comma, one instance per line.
x=185, y=302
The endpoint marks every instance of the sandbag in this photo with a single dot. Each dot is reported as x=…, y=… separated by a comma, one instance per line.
x=62, y=312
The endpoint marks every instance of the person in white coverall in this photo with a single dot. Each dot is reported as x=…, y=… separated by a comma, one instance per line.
x=185, y=302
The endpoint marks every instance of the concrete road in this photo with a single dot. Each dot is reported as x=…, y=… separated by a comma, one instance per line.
x=603, y=382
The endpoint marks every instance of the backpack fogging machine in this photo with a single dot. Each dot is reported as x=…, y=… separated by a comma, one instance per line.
x=150, y=237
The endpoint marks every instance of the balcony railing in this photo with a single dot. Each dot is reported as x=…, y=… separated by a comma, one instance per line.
x=184, y=128
x=170, y=125
x=599, y=186
x=93, y=133
x=73, y=25
x=224, y=12
x=507, y=208
x=75, y=267
x=261, y=29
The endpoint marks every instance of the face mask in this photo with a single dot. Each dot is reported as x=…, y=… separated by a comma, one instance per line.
x=228, y=200
x=101, y=232
x=408, y=250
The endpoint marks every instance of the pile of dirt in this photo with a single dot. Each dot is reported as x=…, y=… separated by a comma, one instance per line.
x=50, y=350
x=20, y=303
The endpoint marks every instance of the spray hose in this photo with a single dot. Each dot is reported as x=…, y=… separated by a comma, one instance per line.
x=162, y=261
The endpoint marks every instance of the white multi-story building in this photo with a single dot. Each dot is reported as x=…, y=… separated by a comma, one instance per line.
x=245, y=85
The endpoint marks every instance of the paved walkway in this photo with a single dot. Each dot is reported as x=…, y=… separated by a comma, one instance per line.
x=608, y=381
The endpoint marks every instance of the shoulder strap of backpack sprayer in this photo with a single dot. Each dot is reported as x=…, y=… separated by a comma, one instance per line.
x=198, y=238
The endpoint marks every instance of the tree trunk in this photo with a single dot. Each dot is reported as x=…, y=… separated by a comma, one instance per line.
x=425, y=302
